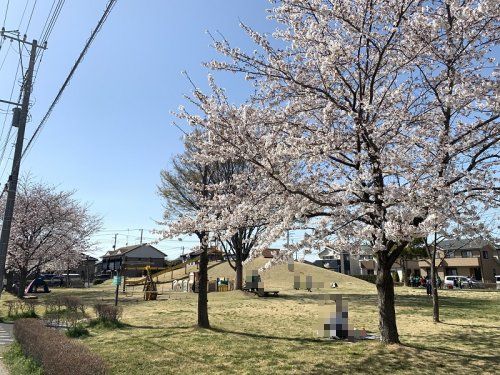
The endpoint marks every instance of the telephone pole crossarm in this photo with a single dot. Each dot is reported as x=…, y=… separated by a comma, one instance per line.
x=7, y=34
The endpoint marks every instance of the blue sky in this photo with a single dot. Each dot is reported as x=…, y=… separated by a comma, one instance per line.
x=111, y=133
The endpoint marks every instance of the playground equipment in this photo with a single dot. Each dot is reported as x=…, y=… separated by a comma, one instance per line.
x=35, y=284
x=150, y=291
x=255, y=285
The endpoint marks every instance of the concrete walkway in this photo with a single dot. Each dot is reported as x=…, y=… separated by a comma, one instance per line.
x=5, y=339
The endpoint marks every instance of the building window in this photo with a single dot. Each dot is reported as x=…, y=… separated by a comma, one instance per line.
x=466, y=254
x=485, y=254
x=450, y=254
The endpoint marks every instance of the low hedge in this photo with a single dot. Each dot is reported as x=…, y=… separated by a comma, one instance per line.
x=54, y=352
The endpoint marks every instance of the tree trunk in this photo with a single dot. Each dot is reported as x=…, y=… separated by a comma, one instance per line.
x=435, y=300
x=403, y=269
x=23, y=275
x=202, y=288
x=387, y=312
x=238, y=285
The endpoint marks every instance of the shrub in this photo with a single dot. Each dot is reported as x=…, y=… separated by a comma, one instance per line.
x=18, y=309
x=54, y=352
x=78, y=330
x=107, y=313
x=73, y=303
x=97, y=281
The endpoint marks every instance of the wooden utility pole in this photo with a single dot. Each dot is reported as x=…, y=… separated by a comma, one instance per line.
x=20, y=117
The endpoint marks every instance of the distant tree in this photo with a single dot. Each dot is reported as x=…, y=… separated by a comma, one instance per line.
x=185, y=189
x=240, y=241
x=48, y=227
x=413, y=250
x=238, y=248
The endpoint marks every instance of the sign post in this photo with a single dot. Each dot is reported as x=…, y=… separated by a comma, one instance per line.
x=117, y=280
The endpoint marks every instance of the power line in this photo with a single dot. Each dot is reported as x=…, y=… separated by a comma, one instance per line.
x=47, y=28
x=6, y=11
x=31, y=15
x=24, y=12
x=105, y=15
x=47, y=20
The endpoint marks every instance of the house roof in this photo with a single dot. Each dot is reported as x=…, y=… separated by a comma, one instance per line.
x=211, y=250
x=331, y=251
x=268, y=253
x=88, y=257
x=464, y=244
x=124, y=250
x=368, y=264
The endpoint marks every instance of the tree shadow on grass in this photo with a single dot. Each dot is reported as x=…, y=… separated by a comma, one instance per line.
x=478, y=342
x=469, y=325
x=270, y=337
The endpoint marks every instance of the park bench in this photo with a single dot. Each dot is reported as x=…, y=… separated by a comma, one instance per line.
x=267, y=293
x=261, y=292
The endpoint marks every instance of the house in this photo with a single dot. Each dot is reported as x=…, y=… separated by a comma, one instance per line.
x=85, y=268
x=363, y=262
x=131, y=260
x=476, y=257
x=214, y=254
x=341, y=261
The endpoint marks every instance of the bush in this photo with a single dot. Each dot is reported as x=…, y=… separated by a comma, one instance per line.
x=19, y=308
x=370, y=278
x=64, y=311
x=107, y=313
x=78, y=330
x=97, y=281
x=19, y=364
x=54, y=352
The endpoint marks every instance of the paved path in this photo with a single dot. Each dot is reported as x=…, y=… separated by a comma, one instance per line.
x=5, y=339
x=6, y=334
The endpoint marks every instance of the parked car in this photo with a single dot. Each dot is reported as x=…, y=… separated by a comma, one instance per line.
x=451, y=282
x=473, y=283
x=497, y=279
x=55, y=281
x=52, y=280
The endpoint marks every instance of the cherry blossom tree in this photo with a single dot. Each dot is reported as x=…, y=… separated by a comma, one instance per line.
x=371, y=122
x=47, y=226
x=184, y=190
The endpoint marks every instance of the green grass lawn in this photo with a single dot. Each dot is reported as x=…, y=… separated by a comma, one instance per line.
x=252, y=335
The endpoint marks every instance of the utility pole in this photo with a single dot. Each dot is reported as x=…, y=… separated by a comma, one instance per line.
x=142, y=230
x=19, y=120
x=114, y=245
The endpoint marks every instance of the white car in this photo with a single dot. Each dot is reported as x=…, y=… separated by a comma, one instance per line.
x=452, y=281
x=497, y=279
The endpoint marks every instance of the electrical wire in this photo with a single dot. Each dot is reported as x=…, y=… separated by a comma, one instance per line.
x=6, y=11
x=2, y=152
x=105, y=15
x=22, y=17
x=53, y=19
x=47, y=20
x=31, y=15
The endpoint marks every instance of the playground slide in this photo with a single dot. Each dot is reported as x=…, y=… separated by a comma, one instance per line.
x=36, y=283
